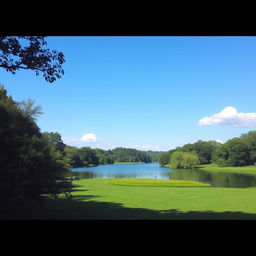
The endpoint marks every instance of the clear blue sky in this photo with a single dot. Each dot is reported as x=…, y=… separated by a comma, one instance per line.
x=143, y=92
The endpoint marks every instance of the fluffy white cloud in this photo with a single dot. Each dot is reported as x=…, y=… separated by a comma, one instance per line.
x=86, y=138
x=231, y=117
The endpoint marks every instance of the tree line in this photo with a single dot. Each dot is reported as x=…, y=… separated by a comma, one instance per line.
x=238, y=151
x=86, y=156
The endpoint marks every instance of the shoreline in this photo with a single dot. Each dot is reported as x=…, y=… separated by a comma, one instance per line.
x=248, y=169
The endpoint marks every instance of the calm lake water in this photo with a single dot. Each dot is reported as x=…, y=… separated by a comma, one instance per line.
x=154, y=171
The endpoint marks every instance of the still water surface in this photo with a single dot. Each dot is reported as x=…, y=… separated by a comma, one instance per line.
x=154, y=171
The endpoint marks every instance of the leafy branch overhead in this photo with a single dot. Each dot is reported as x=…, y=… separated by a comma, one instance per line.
x=29, y=52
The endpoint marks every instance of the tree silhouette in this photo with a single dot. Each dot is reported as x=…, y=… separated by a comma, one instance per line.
x=29, y=52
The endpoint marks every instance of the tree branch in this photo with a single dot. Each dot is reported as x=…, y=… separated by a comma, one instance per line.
x=22, y=67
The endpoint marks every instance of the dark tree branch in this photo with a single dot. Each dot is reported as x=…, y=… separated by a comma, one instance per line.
x=15, y=54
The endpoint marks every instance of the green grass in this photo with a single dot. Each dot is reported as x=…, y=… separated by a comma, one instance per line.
x=99, y=199
x=249, y=169
x=156, y=183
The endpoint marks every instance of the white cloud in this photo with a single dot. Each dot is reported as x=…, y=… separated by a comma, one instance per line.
x=87, y=138
x=231, y=117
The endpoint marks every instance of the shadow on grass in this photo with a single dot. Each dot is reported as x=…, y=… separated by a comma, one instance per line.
x=82, y=207
x=108, y=210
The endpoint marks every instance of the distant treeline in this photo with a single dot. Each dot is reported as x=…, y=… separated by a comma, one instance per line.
x=86, y=156
x=239, y=151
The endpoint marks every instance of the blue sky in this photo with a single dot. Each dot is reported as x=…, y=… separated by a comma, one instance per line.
x=145, y=92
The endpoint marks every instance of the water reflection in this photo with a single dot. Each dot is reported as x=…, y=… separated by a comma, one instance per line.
x=154, y=171
x=216, y=179
x=123, y=171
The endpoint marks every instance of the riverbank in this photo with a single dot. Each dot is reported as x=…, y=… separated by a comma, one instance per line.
x=99, y=199
x=249, y=169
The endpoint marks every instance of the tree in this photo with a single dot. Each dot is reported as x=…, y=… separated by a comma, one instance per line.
x=29, y=53
x=54, y=138
x=184, y=160
x=88, y=156
x=250, y=138
x=239, y=152
x=204, y=149
x=235, y=152
x=28, y=110
x=29, y=164
x=164, y=159
x=72, y=153
x=121, y=154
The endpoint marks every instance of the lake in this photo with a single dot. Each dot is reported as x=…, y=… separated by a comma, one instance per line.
x=154, y=171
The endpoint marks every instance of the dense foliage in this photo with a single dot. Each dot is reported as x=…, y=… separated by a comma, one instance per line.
x=204, y=150
x=235, y=152
x=184, y=160
x=154, y=155
x=239, y=151
x=86, y=156
x=129, y=155
x=30, y=163
x=164, y=159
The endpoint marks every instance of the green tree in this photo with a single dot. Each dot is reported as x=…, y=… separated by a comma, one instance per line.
x=250, y=138
x=29, y=165
x=235, y=152
x=239, y=152
x=72, y=153
x=164, y=159
x=29, y=110
x=121, y=154
x=184, y=160
x=88, y=156
x=54, y=138
x=204, y=149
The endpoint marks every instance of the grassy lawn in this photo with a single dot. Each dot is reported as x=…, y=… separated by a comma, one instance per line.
x=102, y=199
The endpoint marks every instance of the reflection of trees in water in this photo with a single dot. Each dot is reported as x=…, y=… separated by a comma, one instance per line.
x=121, y=176
x=218, y=179
x=94, y=175
x=234, y=180
x=87, y=175
x=195, y=175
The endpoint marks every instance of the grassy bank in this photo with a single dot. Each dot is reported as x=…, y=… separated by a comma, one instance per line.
x=99, y=199
x=249, y=169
